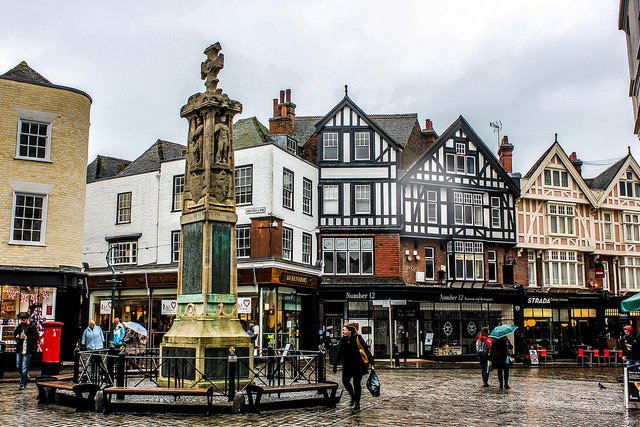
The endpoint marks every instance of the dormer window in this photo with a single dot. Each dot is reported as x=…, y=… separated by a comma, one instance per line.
x=330, y=146
x=629, y=187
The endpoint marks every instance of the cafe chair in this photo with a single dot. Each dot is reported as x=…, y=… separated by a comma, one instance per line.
x=545, y=355
x=597, y=356
x=581, y=356
x=608, y=356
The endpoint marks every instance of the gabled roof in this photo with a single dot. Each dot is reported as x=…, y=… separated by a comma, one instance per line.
x=150, y=160
x=538, y=167
x=104, y=167
x=602, y=181
x=398, y=126
x=25, y=74
x=461, y=124
x=249, y=133
x=346, y=101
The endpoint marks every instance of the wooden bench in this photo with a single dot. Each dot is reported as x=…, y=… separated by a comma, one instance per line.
x=108, y=393
x=47, y=392
x=255, y=392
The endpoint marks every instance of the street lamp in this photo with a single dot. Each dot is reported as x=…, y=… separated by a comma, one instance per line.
x=114, y=283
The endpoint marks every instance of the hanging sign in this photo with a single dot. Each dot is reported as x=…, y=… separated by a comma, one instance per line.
x=168, y=307
x=244, y=305
x=599, y=270
x=105, y=306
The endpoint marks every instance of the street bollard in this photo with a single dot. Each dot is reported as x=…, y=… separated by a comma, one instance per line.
x=120, y=373
x=232, y=364
x=322, y=369
x=76, y=365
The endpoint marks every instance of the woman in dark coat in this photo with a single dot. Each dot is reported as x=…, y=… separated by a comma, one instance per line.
x=500, y=349
x=353, y=365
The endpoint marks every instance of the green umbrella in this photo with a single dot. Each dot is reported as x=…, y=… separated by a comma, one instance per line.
x=502, y=331
x=631, y=303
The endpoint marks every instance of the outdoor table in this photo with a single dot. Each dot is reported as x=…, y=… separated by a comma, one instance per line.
x=590, y=353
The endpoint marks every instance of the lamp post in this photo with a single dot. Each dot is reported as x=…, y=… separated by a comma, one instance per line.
x=114, y=283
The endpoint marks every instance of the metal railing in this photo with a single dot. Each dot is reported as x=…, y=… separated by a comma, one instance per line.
x=226, y=374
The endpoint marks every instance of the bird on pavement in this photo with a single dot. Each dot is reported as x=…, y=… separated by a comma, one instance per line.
x=601, y=386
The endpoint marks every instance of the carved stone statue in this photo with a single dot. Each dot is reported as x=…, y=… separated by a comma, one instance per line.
x=221, y=141
x=195, y=142
x=212, y=66
x=221, y=186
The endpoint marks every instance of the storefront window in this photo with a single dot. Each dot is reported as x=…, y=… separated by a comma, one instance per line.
x=38, y=302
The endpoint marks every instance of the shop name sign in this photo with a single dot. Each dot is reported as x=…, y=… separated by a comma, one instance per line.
x=451, y=297
x=539, y=300
x=295, y=279
x=253, y=211
x=360, y=295
x=244, y=305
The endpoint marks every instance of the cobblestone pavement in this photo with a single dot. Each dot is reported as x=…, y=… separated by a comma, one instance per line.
x=410, y=397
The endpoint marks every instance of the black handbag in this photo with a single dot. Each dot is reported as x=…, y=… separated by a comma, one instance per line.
x=373, y=383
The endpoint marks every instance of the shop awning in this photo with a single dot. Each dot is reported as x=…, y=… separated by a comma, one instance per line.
x=631, y=303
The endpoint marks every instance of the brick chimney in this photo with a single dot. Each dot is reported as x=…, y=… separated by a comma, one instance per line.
x=284, y=115
x=505, y=154
x=576, y=162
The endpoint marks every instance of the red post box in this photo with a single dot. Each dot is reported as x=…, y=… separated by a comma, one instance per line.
x=50, y=346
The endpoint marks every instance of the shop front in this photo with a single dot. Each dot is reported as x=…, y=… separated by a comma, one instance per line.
x=417, y=322
x=46, y=297
x=563, y=323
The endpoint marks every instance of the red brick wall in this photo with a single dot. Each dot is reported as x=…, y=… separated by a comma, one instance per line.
x=310, y=149
x=387, y=253
x=283, y=125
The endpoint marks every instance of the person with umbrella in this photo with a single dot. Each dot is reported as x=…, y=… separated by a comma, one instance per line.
x=501, y=352
x=135, y=338
x=483, y=347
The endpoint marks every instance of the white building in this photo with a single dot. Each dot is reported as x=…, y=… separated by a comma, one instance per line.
x=134, y=208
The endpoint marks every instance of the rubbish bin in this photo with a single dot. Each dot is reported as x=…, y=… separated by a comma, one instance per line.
x=50, y=346
x=334, y=346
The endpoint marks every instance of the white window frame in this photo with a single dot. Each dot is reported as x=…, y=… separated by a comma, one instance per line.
x=243, y=241
x=496, y=220
x=492, y=260
x=307, y=196
x=563, y=268
x=631, y=223
x=429, y=258
x=288, y=179
x=561, y=219
x=467, y=259
x=629, y=273
x=362, y=199
x=330, y=143
x=243, y=178
x=531, y=266
x=306, y=248
x=124, y=252
x=47, y=137
x=362, y=139
x=607, y=226
x=178, y=190
x=124, y=207
x=330, y=196
x=175, y=246
x=26, y=218
x=348, y=249
x=287, y=243
x=432, y=207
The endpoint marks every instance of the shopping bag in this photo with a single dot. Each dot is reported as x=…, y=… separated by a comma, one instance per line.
x=489, y=366
x=373, y=384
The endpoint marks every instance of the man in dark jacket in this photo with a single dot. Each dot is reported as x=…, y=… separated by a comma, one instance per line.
x=630, y=347
x=26, y=336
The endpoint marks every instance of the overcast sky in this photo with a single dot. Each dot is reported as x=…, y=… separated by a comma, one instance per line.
x=538, y=66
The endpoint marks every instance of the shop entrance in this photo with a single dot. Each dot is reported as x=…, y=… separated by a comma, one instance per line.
x=406, y=330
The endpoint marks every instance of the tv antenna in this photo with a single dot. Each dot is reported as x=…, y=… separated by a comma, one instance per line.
x=497, y=127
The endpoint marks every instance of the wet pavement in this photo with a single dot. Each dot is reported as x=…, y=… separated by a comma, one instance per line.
x=552, y=396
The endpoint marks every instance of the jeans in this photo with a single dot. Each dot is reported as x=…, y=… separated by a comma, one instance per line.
x=356, y=391
x=22, y=365
x=484, y=361
x=503, y=373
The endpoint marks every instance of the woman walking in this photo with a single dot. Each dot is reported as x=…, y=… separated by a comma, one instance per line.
x=483, y=347
x=500, y=351
x=355, y=357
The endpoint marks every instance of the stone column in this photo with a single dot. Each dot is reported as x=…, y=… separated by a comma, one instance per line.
x=206, y=323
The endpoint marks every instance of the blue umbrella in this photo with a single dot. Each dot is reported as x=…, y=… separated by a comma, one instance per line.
x=502, y=331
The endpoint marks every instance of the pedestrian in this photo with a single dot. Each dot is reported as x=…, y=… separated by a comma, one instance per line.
x=483, y=346
x=118, y=332
x=26, y=336
x=500, y=351
x=630, y=347
x=356, y=357
x=135, y=341
x=93, y=338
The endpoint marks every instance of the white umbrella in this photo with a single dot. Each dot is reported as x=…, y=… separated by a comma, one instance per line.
x=137, y=328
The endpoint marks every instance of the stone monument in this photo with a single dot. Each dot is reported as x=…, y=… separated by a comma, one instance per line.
x=206, y=323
